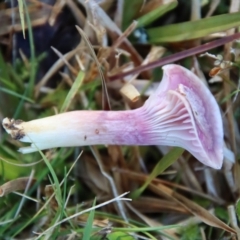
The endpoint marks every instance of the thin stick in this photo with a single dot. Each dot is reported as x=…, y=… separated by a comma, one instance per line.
x=177, y=56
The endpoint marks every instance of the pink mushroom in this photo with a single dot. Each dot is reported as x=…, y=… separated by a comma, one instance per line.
x=182, y=112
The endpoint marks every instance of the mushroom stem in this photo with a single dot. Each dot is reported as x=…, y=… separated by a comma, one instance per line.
x=81, y=128
x=182, y=112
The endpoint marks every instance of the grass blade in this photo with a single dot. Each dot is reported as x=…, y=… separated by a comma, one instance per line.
x=88, y=228
x=156, y=13
x=162, y=165
x=15, y=94
x=73, y=91
x=22, y=19
x=194, y=29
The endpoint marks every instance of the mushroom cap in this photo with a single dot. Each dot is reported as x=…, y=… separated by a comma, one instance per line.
x=193, y=120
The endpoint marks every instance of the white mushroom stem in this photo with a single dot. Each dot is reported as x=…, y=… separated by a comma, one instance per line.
x=182, y=112
x=82, y=128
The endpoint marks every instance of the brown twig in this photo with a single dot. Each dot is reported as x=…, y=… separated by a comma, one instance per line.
x=178, y=56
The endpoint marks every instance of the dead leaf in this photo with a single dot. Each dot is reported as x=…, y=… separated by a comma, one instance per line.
x=192, y=207
x=15, y=185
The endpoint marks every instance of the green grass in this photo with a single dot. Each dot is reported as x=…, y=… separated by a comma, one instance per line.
x=77, y=192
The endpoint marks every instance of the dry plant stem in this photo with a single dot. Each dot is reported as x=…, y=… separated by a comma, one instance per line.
x=233, y=219
x=182, y=112
x=139, y=177
x=191, y=206
x=61, y=56
x=66, y=78
x=29, y=183
x=229, y=109
x=105, y=97
x=213, y=6
x=189, y=178
x=119, y=13
x=119, y=198
x=234, y=7
x=15, y=185
x=196, y=15
x=177, y=56
x=56, y=10
x=39, y=14
x=195, y=10
x=56, y=66
x=211, y=183
x=120, y=206
x=77, y=13
x=115, y=33
x=125, y=34
x=148, y=6
x=203, y=233
x=121, y=38
x=152, y=223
